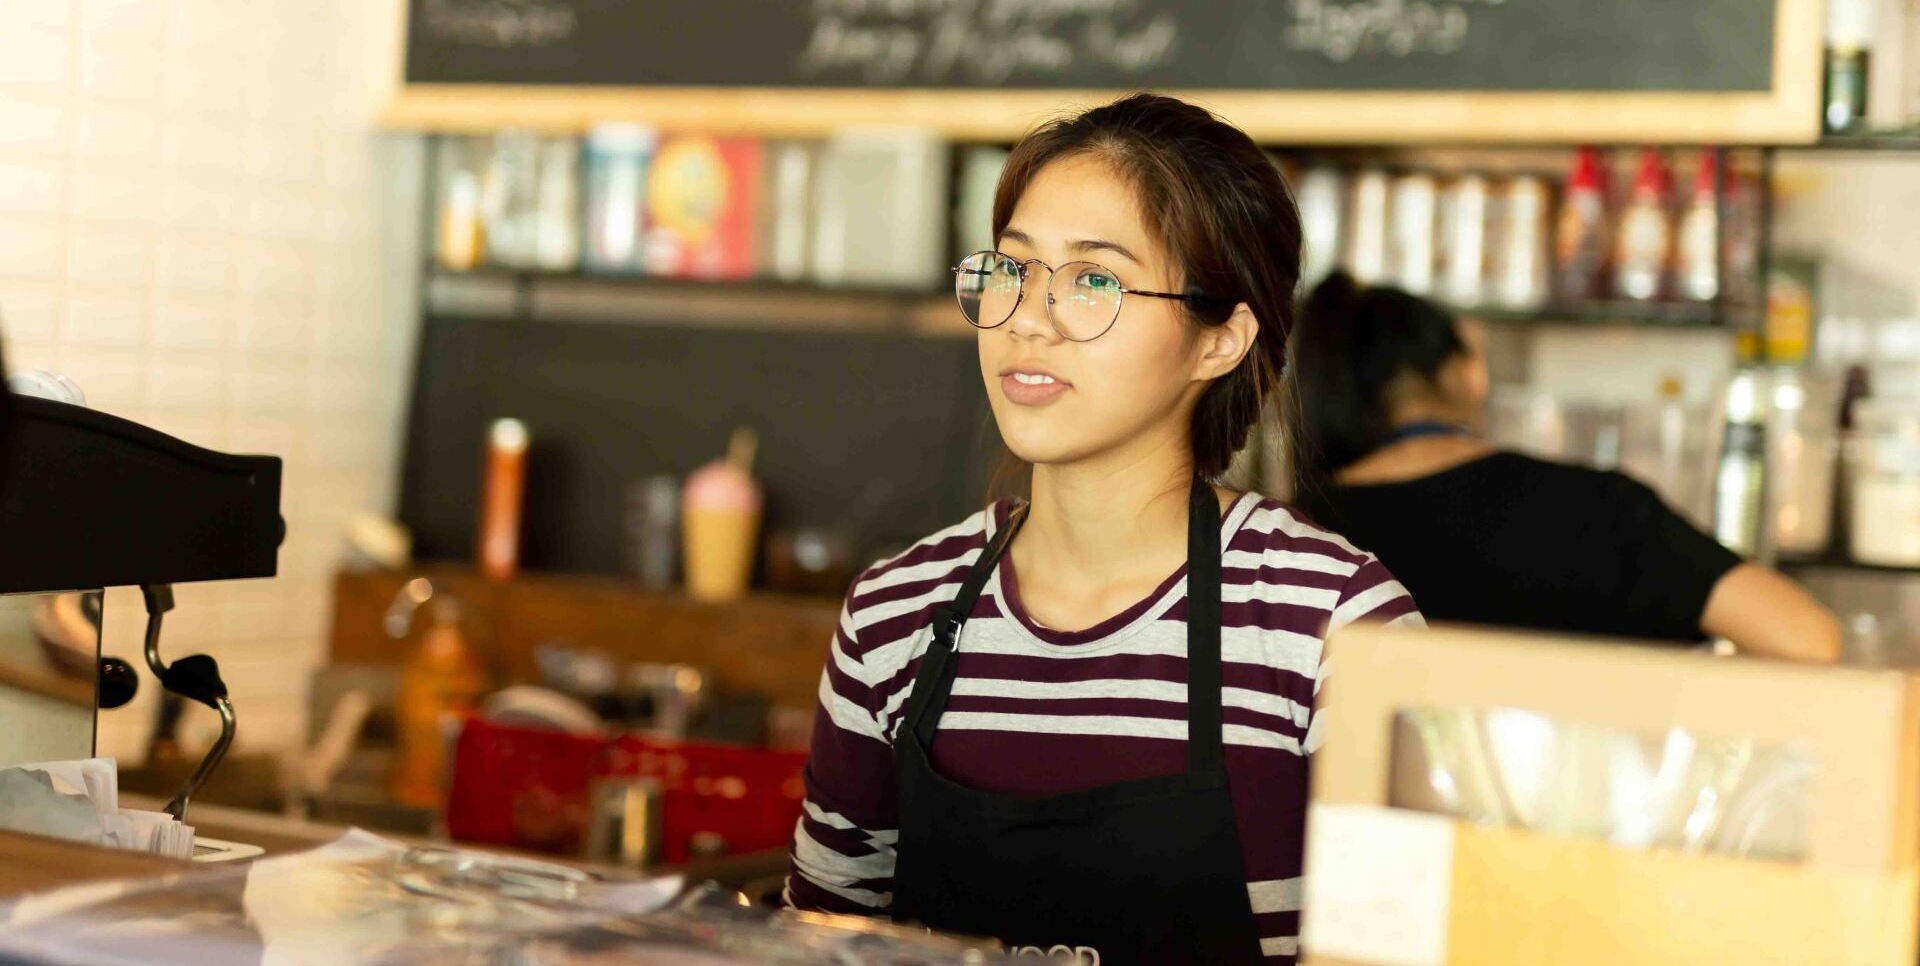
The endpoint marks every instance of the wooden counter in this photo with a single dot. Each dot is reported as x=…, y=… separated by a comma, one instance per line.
x=31, y=863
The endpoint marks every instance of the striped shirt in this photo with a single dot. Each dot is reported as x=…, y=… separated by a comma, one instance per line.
x=1111, y=699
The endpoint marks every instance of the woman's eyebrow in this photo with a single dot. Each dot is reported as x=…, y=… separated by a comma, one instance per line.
x=1102, y=245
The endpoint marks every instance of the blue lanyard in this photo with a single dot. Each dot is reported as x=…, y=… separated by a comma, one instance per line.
x=1401, y=434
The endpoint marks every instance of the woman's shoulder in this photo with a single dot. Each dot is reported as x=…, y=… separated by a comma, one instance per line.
x=1274, y=527
x=922, y=571
x=1289, y=561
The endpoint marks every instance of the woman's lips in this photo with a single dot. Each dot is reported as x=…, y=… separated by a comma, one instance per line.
x=1024, y=388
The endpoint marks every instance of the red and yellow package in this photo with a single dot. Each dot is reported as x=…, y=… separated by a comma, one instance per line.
x=703, y=199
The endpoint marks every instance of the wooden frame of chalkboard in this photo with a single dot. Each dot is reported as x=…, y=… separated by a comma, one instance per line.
x=1692, y=77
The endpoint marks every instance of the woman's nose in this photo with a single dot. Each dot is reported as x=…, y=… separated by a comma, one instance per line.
x=1031, y=317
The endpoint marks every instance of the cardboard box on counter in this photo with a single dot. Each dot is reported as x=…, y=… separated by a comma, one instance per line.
x=1390, y=886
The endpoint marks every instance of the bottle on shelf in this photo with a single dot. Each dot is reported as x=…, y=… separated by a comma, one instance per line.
x=441, y=685
x=1850, y=26
x=1522, y=266
x=1368, y=232
x=556, y=231
x=1645, y=236
x=1415, y=212
x=1738, y=490
x=1697, y=252
x=460, y=237
x=1466, y=213
x=1580, y=236
x=504, y=497
x=616, y=165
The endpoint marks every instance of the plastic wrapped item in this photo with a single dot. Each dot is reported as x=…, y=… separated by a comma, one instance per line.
x=364, y=901
x=1677, y=790
x=359, y=899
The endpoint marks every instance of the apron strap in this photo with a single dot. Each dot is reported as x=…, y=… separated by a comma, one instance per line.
x=1205, y=748
x=934, y=682
x=1206, y=752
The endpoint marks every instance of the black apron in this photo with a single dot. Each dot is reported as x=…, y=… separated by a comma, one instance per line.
x=1139, y=872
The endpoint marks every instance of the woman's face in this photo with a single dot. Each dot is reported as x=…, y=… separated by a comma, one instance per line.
x=1132, y=389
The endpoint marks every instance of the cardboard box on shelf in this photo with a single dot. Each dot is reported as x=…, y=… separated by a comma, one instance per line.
x=1390, y=886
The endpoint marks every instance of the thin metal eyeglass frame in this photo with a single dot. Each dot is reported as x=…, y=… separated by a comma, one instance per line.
x=1021, y=297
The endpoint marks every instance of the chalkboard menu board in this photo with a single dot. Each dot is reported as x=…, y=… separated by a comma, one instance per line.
x=1761, y=55
x=1510, y=45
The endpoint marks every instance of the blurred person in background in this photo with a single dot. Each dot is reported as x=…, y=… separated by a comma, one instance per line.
x=1083, y=719
x=1387, y=390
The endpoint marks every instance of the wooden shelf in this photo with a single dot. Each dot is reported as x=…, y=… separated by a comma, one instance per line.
x=771, y=643
x=1680, y=315
x=1893, y=141
x=578, y=297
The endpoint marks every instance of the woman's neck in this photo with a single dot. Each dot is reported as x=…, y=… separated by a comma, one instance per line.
x=1100, y=535
x=1097, y=524
x=1411, y=459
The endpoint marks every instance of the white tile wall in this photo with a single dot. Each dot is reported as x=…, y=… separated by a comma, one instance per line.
x=191, y=227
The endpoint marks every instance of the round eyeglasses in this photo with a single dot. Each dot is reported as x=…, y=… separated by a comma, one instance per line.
x=1083, y=299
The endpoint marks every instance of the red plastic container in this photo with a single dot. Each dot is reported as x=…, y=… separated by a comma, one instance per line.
x=529, y=789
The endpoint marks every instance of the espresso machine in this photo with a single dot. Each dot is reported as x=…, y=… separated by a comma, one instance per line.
x=90, y=501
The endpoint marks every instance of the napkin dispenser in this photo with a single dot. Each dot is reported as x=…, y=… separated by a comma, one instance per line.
x=89, y=501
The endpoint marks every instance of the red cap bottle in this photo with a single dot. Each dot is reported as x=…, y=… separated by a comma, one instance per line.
x=1580, y=236
x=1646, y=232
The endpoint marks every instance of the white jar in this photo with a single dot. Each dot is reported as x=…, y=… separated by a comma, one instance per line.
x=1885, y=458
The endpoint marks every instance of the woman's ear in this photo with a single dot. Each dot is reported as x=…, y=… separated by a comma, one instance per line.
x=1223, y=346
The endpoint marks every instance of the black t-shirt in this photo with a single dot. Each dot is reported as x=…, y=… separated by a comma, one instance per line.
x=1512, y=541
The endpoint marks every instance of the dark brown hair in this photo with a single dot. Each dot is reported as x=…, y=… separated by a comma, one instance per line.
x=1352, y=345
x=1226, y=218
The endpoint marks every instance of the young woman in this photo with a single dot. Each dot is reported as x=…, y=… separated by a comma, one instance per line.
x=1388, y=390
x=1079, y=723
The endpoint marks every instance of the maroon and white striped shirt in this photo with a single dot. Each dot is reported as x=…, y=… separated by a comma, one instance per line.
x=1036, y=711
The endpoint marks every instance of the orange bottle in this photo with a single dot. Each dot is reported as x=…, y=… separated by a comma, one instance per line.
x=505, y=487
x=440, y=687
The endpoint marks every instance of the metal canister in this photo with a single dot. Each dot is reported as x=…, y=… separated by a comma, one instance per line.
x=623, y=823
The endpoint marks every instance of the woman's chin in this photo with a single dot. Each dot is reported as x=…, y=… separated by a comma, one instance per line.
x=1045, y=449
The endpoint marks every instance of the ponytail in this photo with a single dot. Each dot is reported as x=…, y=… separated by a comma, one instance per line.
x=1351, y=344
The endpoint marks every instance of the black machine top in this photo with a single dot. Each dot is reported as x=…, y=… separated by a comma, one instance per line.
x=90, y=500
